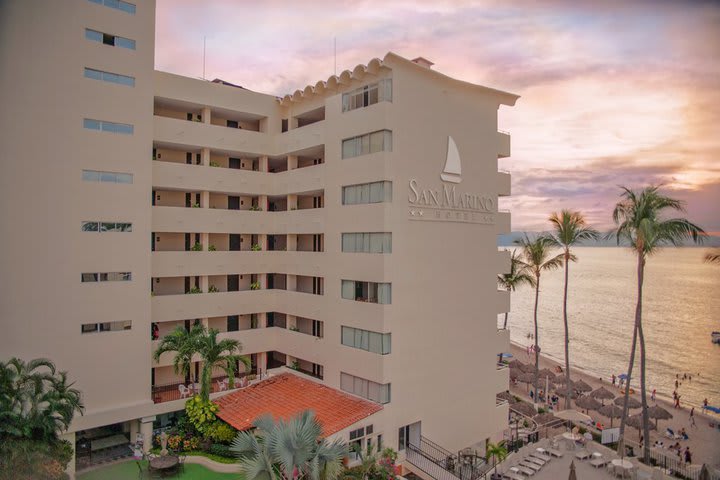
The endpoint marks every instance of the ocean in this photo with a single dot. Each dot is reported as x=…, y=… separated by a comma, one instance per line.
x=681, y=307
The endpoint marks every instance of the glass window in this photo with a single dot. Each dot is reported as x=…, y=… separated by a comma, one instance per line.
x=108, y=227
x=91, y=124
x=124, y=178
x=107, y=177
x=375, y=192
x=93, y=35
x=90, y=226
x=94, y=74
x=109, y=77
x=90, y=176
x=124, y=227
x=117, y=4
x=88, y=277
x=89, y=328
x=384, y=293
x=125, y=43
x=367, y=95
x=348, y=148
x=369, y=143
x=348, y=289
x=376, y=141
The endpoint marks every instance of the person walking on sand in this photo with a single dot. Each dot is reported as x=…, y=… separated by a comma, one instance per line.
x=688, y=455
x=613, y=379
x=692, y=418
x=652, y=395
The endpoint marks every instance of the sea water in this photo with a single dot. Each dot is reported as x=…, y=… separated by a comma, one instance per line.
x=681, y=307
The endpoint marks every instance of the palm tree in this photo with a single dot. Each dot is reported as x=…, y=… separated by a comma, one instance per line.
x=288, y=450
x=185, y=345
x=536, y=258
x=518, y=276
x=218, y=354
x=569, y=229
x=36, y=401
x=497, y=451
x=638, y=219
x=712, y=257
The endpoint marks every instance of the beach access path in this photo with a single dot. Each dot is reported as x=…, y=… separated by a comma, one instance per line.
x=704, y=441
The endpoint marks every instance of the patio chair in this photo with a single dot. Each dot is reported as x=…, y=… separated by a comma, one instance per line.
x=181, y=462
x=537, y=461
x=222, y=386
x=598, y=462
x=184, y=391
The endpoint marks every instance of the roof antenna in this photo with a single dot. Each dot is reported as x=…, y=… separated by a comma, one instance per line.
x=204, y=56
x=335, y=53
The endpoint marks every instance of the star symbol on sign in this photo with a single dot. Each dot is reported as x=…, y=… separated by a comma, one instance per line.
x=412, y=213
x=420, y=213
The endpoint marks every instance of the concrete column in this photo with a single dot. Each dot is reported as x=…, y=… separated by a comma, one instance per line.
x=263, y=241
x=263, y=163
x=204, y=283
x=205, y=199
x=70, y=469
x=262, y=362
x=292, y=202
x=134, y=430
x=146, y=429
x=262, y=279
x=262, y=320
x=292, y=242
x=289, y=359
x=292, y=283
x=206, y=115
x=263, y=202
x=205, y=156
x=292, y=162
x=205, y=240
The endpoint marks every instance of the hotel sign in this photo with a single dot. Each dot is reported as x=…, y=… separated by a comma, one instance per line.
x=447, y=203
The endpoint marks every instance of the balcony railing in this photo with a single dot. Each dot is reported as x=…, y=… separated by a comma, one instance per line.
x=172, y=391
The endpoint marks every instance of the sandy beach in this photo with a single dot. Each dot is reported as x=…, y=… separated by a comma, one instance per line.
x=704, y=441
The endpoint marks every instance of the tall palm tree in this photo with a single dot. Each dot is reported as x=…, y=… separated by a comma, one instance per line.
x=518, y=276
x=36, y=401
x=536, y=257
x=712, y=257
x=569, y=229
x=223, y=354
x=288, y=450
x=185, y=345
x=639, y=221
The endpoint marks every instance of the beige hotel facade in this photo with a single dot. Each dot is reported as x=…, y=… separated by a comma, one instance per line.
x=347, y=230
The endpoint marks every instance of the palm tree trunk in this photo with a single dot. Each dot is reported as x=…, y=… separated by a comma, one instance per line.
x=638, y=316
x=537, y=347
x=643, y=386
x=567, y=335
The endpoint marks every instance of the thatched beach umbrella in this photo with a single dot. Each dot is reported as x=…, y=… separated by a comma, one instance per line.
x=632, y=403
x=611, y=411
x=588, y=403
x=561, y=379
x=516, y=364
x=515, y=373
x=602, y=394
x=637, y=422
x=562, y=393
x=528, y=368
x=704, y=473
x=659, y=413
x=572, y=471
x=546, y=373
x=581, y=386
x=526, y=378
x=524, y=408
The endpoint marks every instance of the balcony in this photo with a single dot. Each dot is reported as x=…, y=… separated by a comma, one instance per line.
x=503, y=183
x=502, y=222
x=211, y=220
x=172, y=391
x=503, y=142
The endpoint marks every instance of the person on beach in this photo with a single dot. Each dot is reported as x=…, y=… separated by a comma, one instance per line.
x=613, y=379
x=652, y=395
x=676, y=384
x=688, y=455
x=705, y=403
x=692, y=418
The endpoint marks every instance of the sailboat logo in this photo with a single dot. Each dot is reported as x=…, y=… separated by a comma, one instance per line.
x=451, y=172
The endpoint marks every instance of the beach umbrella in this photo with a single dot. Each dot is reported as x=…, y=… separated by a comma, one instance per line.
x=581, y=386
x=562, y=393
x=602, y=394
x=524, y=408
x=515, y=373
x=516, y=364
x=572, y=471
x=611, y=411
x=528, y=368
x=526, y=378
x=632, y=403
x=659, y=413
x=544, y=418
x=561, y=379
x=588, y=403
x=547, y=373
x=636, y=421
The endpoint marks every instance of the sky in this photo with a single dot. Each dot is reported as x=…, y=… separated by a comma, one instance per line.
x=612, y=92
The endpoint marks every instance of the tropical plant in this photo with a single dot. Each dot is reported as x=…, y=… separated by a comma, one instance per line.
x=213, y=289
x=255, y=247
x=214, y=353
x=220, y=432
x=374, y=463
x=212, y=248
x=255, y=208
x=197, y=247
x=536, y=257
x=255, y=286
x=518, y=276
x=194, y=289
x=569, y=229
x=712, y=257
x=185, y=344
x=214, y=164
x=497, y=451
x=288, y=450
x=201, y=413
x=640, y=223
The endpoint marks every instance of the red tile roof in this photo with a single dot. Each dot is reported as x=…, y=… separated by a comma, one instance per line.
x=286, y=395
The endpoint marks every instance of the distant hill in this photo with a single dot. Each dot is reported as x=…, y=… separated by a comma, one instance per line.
x=509, y=241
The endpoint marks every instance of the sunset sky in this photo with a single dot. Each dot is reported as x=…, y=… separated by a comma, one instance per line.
x=625, y=93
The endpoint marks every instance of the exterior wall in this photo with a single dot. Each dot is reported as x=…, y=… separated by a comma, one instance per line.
x=43, y=150
x=444, y=298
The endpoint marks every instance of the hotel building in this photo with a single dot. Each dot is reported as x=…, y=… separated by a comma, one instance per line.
x=345, y=233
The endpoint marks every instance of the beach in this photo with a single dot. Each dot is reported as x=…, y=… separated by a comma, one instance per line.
x=704, y=441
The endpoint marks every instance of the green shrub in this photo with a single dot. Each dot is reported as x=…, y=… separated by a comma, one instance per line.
x=220, y=432
x=201, y=413
x=221, y=450
x=197, y=247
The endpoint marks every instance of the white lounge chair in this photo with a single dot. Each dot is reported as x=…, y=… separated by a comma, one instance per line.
x=513, y=476
x=582, y=454
x=598, y=462
x=184, y=391
x=532, y=466
x=553, y=451
x=520, y=470
x=542, y=456
x=535, y=460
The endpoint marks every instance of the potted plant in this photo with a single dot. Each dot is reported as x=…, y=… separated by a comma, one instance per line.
x=213, y=289
x=197, y=247
x=255, y=247
x=212, y=248
x=255, y=286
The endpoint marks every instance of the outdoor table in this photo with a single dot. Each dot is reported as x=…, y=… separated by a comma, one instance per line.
x=165, y=463
x=571, y=436
x=626, y=465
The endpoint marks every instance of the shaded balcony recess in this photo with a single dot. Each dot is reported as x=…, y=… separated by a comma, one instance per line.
x=218, y=117
x=310, y=117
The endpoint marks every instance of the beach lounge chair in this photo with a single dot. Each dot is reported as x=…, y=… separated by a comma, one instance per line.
x=598, y=462
x=582, y=454
x=513, y=476
x=537, y=461
x=555, y=452
x=532, y=466
x=520, y=470
x=542, y=456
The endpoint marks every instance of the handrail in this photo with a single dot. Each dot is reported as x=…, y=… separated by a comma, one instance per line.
x=444, y=463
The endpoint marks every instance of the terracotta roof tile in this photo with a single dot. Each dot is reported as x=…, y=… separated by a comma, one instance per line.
x=286, y=395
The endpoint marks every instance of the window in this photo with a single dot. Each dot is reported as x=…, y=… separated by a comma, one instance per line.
x=375, y=192
x=358, y=438
x=376, y=392
x=117, y=4
x=367, y=291
x=106, y=177
x=111, y=127
x=106, y=326
x=233, y=323
x=109, y=77
x=403, y=437
x=108, y=39
x=367, y=242
x=103, y=227
x=366, y=340
x=106, y=277
x=369, y=143
x=368, y=95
